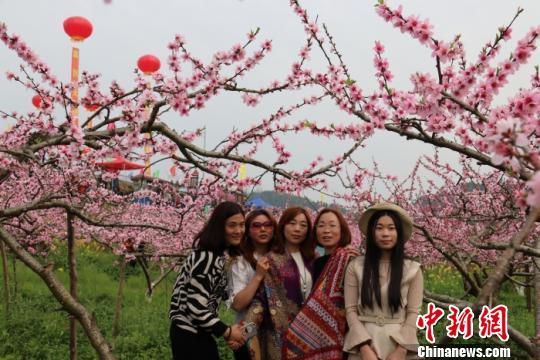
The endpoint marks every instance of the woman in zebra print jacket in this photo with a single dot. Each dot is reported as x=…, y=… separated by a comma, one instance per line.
x=200, y=286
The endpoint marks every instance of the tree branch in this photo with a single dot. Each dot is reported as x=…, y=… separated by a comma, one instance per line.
x=72, y=306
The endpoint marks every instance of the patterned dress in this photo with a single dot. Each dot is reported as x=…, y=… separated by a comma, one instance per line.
x=278, y=300
x=318, y=331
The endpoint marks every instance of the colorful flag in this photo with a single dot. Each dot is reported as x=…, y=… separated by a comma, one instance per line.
x=172, y=170
x=242, y=172
x=74, y=112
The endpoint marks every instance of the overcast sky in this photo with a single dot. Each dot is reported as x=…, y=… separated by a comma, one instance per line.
x=126, y=29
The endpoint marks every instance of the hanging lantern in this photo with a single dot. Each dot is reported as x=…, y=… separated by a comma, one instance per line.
x=77, y=28
x=36, y=101
x=148, y=64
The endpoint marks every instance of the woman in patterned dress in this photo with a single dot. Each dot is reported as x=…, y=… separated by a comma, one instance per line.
x=249, y=269
x=318, y=331
x=286, y=284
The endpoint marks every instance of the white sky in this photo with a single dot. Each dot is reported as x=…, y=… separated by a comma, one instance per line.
x=126, y=29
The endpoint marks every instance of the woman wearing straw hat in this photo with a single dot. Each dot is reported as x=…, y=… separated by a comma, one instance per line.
x=383, y=290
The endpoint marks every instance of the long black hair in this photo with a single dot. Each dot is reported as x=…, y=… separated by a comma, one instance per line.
x=371, y=286
x=212, y=235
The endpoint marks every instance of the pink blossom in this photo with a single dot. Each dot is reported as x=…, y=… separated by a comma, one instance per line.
x=533, y=198
x=250, y=100
x=379, y=47
x=267, y=45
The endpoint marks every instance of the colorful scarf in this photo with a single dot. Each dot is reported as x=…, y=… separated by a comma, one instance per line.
x=275, y=305
x=318, y=331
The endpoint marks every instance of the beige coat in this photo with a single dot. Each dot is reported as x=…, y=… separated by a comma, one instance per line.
x=378, y=326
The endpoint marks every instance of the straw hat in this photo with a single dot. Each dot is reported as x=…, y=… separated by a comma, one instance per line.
x=403, y=215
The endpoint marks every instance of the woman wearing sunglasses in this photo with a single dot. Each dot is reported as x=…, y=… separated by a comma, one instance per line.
x=248, y=270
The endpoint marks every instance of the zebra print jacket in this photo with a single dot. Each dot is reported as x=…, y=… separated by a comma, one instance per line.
x=199, y=287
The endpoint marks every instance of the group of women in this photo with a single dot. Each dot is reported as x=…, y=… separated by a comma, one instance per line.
x=303, y=306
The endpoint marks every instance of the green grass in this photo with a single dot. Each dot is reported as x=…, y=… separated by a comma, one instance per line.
x=37, y=328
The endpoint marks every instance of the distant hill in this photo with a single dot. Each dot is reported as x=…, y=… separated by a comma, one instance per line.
x=283, y=200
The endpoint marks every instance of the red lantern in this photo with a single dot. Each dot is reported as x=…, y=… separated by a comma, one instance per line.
x=91, y=107
x=148, y=64
x=78, y=28
x=36, y=101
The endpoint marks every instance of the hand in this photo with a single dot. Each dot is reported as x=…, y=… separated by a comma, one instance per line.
x=262, y=267
x=368, y=353
x=236, y=335
x=399, y=353
x=233, y=345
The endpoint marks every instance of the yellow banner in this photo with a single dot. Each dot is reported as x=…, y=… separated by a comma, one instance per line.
x=242, y=172
x=74, y=80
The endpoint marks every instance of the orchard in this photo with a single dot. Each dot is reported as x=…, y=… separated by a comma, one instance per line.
x=477, y=216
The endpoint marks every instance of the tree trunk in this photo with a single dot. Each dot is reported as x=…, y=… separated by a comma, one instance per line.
x=71, y=305
x=5, y=278
x=496, y=277
x=119, y=299
x=72, y=285
x=536, y=270
x=528, y=298
x=15, y=285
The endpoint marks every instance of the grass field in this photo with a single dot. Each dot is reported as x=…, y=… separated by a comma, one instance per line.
x=37, y=328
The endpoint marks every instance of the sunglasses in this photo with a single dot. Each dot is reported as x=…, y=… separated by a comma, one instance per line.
x=258, y=225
